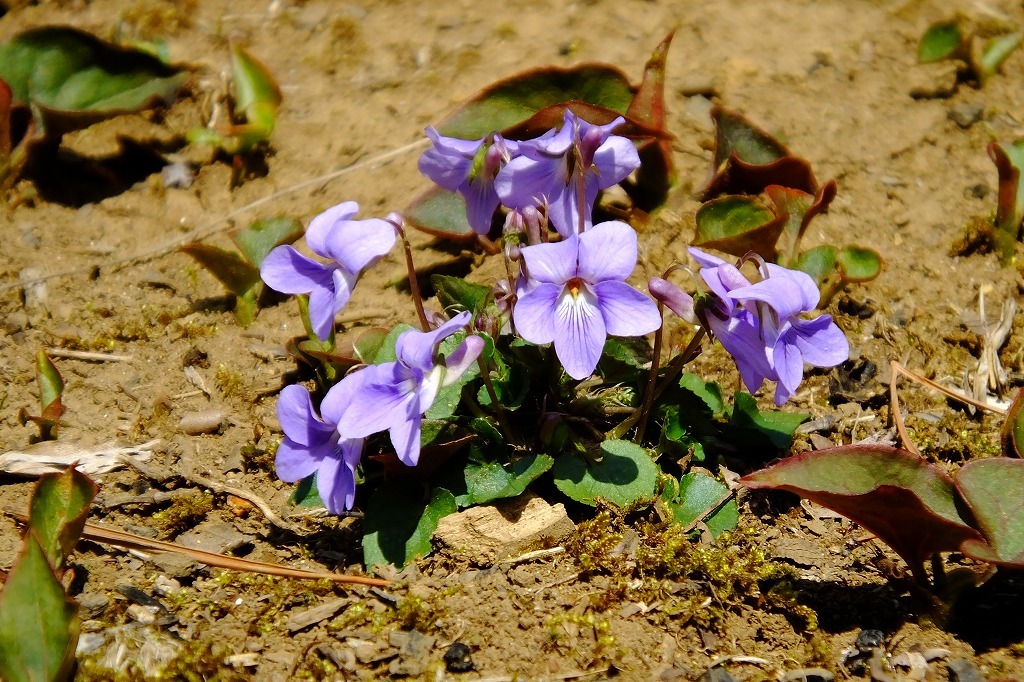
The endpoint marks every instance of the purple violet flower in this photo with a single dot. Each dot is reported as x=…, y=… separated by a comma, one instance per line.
x=546, y=170
x=575, y=295
x=351, y=245
x=393, y=396
x=468, y=167
x=759, y=325
x=312, y=445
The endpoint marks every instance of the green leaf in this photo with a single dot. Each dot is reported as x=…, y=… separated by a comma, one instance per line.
x=306, y=493
x=940, y=41
x=399, y=523
x=996, y=51
x=441, y=213
x=897, y=495
x=51, y=384
x=992, y=490
x=693, y=495
x=800, y=208
x=518, y=97
x=858, y=264
x=262, y=236
x=457, y=293
x=631, y=351
x=747, y=160
x=368, y=344
x=51, y=388
x=58, y=511
x=234, y=272
x=448, y=398
x=257, y=96
x=709, y=392
x=386, y=352
x=73, y=79
x=737, y=225
x=775, y=426
x=39, y=625
x=819, y=262
x=493, y=481
x=735, y=134
x=257, y=93
x=626, y=473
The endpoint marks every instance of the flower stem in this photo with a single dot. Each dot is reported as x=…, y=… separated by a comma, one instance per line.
x=652, y=378
x=499, y=409
x=678, y=362
x=414, y=283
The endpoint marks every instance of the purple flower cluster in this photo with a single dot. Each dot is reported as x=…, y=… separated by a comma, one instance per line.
x=759, y=323
x=542, y=172
x=351, y=246
x=388, y=397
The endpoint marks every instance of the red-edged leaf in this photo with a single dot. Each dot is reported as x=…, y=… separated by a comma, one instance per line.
x=1012, y=434
x=1010, y=199
x=992, y=490
x=657, y=171
x=553, y=116
x=747, y=159
x=800, y=207
x=737, y=225
x=897, y=495
x=58, y=511
x=509, y=101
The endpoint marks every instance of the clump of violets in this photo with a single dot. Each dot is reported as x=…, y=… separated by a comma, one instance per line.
x=759, y=323
x=571, y=293
x=574, y=295
x=350, y=245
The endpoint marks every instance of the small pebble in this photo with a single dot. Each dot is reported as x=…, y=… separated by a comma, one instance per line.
x=962, y=670
x=457, y=659
x=142, y=614
x=206, y=421
x=965, y=115
x=177, y=176
x=165, y=586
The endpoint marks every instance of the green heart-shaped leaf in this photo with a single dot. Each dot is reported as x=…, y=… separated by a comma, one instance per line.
x=625, y=474
x=399, y=522
x=693, y=495
x=819, y=262
x=941, y=41
x=263, y=236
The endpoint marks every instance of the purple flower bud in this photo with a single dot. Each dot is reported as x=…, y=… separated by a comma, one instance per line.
x=673, y=298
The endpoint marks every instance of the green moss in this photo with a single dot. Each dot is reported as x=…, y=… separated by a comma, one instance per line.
x=230, y=382
x=184, y=512
x=695, y=581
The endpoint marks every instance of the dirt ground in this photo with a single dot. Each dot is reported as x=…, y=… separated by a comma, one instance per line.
x=361, y=79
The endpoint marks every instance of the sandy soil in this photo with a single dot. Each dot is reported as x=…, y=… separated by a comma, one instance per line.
x=360, y=80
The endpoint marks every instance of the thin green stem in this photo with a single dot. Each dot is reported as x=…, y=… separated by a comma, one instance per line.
x=498, y=408
x=652, y=378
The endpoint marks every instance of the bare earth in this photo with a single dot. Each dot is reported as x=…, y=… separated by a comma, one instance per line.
x=361, y=80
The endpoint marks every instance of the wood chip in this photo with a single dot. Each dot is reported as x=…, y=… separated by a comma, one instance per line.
x=489, y=533
x=303, y=619
x=53, y=456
